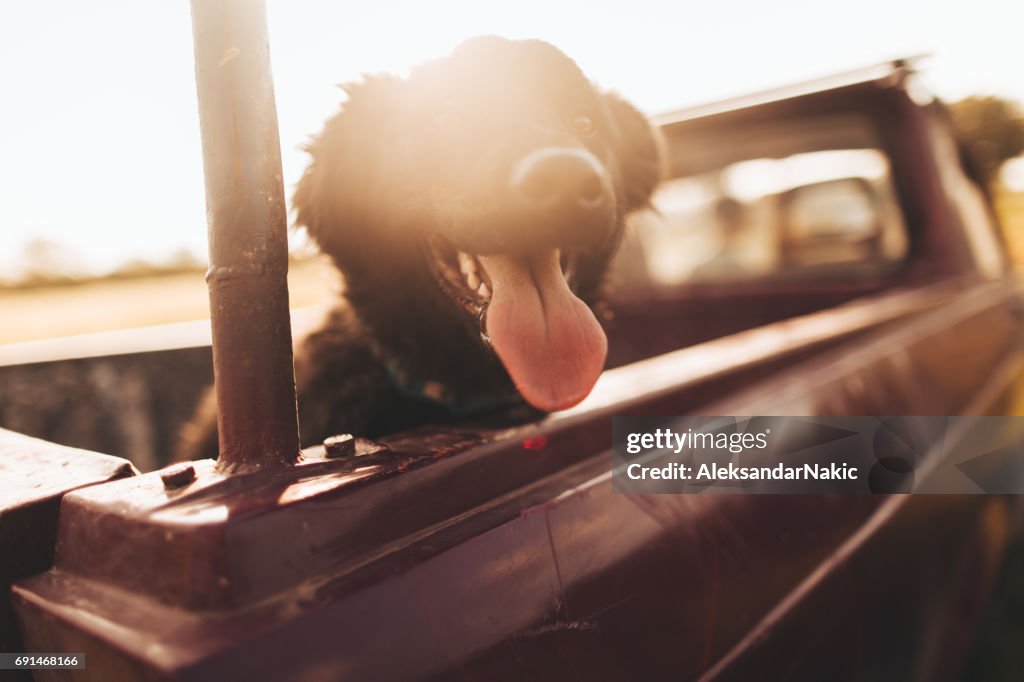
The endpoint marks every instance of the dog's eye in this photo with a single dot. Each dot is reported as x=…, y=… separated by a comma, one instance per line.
x=583, y=124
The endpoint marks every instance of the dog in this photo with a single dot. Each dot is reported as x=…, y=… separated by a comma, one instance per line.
x=472, y=209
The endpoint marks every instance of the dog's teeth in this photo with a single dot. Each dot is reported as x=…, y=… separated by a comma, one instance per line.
x=483, y=290
x=472, y=280
x=466, y=264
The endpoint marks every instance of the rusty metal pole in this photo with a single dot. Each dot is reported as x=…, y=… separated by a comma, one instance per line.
x=252, y=347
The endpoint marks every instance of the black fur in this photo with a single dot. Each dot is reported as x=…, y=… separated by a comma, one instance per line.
x=430, y=154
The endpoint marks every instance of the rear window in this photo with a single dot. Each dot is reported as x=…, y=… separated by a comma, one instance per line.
x=802, y=199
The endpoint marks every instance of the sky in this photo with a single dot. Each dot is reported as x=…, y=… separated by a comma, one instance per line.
x=99, y=130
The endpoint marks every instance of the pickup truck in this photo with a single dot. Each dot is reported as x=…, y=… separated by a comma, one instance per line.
x=819, y=250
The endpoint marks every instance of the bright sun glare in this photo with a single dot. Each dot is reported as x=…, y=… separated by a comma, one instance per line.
x=100, y=131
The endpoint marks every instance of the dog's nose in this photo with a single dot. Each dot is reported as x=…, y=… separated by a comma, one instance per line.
x=560, y=177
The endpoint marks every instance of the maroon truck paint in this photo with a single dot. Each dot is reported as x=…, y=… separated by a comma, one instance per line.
x=499, y=551
x=34, y=476
x=464, y=553
x=249, y=316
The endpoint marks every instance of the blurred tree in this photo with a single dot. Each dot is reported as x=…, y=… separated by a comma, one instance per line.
x=44, y=260
x=184, y=259
x=993, y=130
x=179, y=261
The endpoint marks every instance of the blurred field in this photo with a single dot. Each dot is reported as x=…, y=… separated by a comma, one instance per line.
x=104, y=305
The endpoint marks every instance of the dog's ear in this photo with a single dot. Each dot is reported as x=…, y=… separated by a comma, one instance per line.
x=639, y=149
x=354, y=156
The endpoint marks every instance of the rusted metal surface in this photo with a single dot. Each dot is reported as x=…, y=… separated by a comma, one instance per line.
x=33, y=471
x=34, y=475
x=178, y=475
x=131, y=406
x=341, y=445
x=495, y=551
x=125, y=393
x=471, y=553
x=252, y=348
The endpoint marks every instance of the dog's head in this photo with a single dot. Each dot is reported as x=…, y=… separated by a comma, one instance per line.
x=502, y=175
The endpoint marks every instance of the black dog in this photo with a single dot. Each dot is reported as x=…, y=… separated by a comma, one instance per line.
x=472, y=209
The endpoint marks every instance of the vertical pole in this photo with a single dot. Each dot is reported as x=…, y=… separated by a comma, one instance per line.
x=252, y=348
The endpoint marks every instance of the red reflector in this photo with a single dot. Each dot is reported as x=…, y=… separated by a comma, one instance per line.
x=535, y=443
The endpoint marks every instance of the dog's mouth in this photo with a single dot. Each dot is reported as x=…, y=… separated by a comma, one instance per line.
x=548, y=339
x=461, y=275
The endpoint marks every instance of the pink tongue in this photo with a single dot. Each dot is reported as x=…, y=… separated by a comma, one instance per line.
x=549, y=340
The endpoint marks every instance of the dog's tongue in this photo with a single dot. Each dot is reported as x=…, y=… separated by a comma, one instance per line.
x=551, y=344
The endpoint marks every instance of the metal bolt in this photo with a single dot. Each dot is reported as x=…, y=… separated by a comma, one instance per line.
x=342, y=445
x=178, y=475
